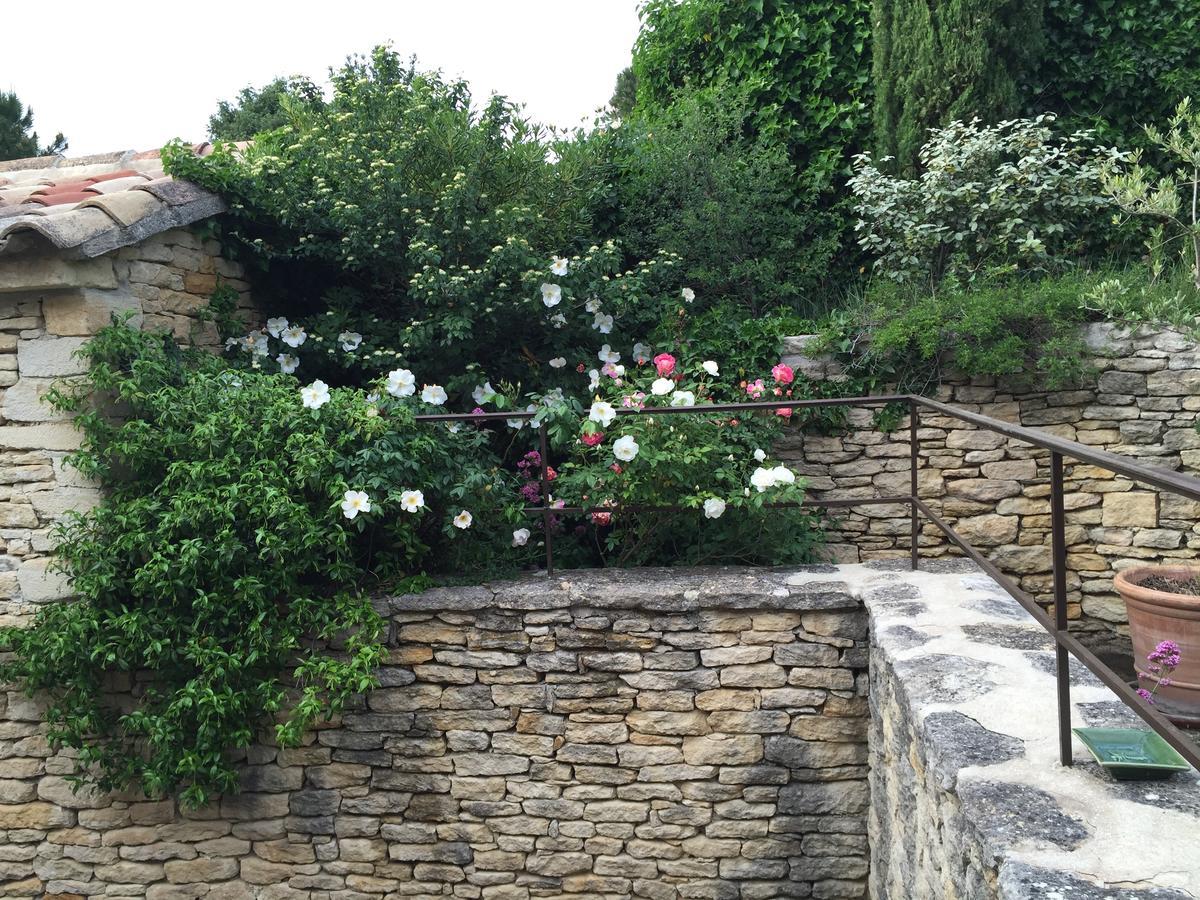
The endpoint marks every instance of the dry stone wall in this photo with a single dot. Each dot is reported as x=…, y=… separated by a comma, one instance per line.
x=1141, y=402
x=49, y=307
x=658, y=733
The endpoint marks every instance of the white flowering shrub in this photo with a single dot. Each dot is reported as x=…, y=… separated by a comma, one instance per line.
x=242, y=526
x=398, y=211
x=1004, y=197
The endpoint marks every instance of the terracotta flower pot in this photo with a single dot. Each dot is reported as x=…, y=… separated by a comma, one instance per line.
x=1156, y=616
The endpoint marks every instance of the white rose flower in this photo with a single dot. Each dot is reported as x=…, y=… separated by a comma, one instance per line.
x=412, y=501
x=551, y=294
x=401, y=383
x=625, y=449
x=592, y=305
x=255, y=342
x=558, y=320
x=350, y=340
x=602, y=412
x=603, y=323
x=315, y=395
x=714, y=508
x=518, y=424
x=433, y=393
x=558, y=362
x=683, y=398
x=762, y=478
x=463, y=520
x=783, y=475
x=287, y=363
x=688, y=295
x=759, y=455
x=294, y=336
x=607, y=354
x=520, y=537
x=710, y=366
x=662, y=386
x=641, y=353
x=355, y=502
x=276, y=325
x=593, y=379
x=559, y=265
x=483, y=393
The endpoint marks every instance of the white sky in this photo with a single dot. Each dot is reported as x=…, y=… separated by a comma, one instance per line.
x=141, y=72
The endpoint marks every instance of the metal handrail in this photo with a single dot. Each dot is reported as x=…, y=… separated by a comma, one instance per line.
x=1065, y=644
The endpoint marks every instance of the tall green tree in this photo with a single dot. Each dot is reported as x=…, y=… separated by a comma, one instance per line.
x=253, y=111
x=937, y=61
x=803, y=67
x=624, y=96
x=17, y=137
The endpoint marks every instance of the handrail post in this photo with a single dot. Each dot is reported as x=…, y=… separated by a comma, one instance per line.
x=1062, y=667
x=544, y=477
x=914, y=449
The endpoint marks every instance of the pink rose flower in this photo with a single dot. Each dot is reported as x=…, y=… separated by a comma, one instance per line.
x=665, y=364
x=756, y=388
x=783, y=374
x=591, y=439
x=785, y=412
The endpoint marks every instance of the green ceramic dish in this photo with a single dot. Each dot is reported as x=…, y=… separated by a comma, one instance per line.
x=1132, y=753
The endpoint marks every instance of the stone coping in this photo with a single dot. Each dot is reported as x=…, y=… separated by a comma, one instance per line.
x=648, y=590
x=976, y=674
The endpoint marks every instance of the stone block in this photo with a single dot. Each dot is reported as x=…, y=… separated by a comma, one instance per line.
x=86, y=311
x=48, y=272
x=723, y=749
x=988, y=530
x=1130, y=509
x=41, y=584
x=24, y=402
x=50, y=357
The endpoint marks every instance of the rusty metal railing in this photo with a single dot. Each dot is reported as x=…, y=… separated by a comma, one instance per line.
x=1065, y=644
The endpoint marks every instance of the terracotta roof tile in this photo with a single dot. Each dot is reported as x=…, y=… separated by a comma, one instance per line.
x=91, y=205
x=113, y=176
x=58, y=198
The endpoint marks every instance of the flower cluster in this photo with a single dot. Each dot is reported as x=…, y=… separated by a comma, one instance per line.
x=1163, y=660
x=291, y=337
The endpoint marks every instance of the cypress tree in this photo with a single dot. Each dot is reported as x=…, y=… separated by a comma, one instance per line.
x=936, y=61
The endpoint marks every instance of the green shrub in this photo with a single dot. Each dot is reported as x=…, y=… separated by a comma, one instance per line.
x=426, y=224
x=255, y=111
x=715, y=468
x=1114, y=65
x=1168, y=300
x=1015, y=328
x=1168, y=200
x=691, y=181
